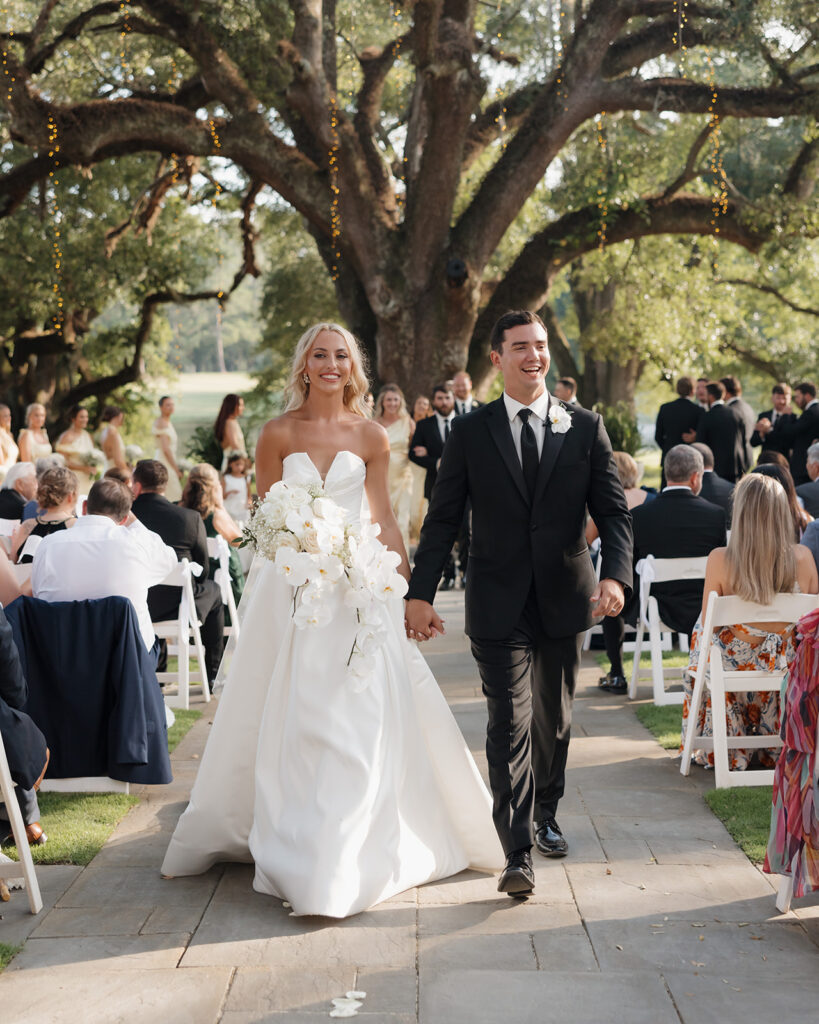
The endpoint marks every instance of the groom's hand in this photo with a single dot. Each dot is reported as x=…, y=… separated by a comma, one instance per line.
x=609, y=598
x=421, y=620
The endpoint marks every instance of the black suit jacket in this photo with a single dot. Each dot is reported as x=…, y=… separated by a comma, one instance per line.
x=428, y=435
x=182, y=529
x=25, y=745
x=518, y=542
x=11, y=504
x=673, y=420
x=800, y=435
x=775, y=440
x=809, y=493
x=746, y=421
x=678, y=524
x=721, y=430
x=719, y=492
x=475, y=405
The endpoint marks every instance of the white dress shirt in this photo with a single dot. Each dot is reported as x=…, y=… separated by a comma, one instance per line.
x=98, y=558
x=463, y=405
x=537, y=421
x=441, y=420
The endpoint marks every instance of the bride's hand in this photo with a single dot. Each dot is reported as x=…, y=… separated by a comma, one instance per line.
x=421, y=620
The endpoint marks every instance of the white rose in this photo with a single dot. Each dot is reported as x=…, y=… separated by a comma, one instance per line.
x=310, y=541
x=297, y=496
x=285, y=539
x=326, y=508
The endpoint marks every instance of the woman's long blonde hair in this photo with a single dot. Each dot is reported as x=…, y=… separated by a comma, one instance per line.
x=202, y=489
x=379, y=402
x=296, y=390
x=760, y=556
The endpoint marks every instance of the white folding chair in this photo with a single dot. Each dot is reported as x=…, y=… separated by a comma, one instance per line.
x=30, y=546
x=628, y=645
x=660, y=570
x=178, y=633
x=7, y=528
x=25, y=868
x=729, y=611
x=218, y=548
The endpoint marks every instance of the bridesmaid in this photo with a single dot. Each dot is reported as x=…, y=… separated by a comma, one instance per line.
x=227, y=429
x=113, y=447
x=9, y=452
x=74, y=445
x=33, y=439
x=391, y=413
x=166, y=442
x=418, y=503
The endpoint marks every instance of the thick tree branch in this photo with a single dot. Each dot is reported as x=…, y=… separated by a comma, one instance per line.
x=683, y=96
x=689, y=172
x=769, y=289
x=801, y=180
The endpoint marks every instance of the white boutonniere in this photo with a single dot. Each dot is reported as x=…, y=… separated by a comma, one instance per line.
x=559, y=419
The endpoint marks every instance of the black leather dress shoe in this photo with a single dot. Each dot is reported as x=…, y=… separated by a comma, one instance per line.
x=518, y=877
x=613, y=684
x=549, y=839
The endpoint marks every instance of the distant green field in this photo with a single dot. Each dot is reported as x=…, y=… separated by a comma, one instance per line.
x=198, y=397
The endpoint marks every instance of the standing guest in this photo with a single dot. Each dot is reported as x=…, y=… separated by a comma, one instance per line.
x=721, y=431
x=9, y=452
x=369, y=403
x=701, y=393
x=391, y=413
x=184, y=530
x=75, y=445
x=57, y=503
x=759, y=562
x=714, y=488
x=677, y=421
x=803, y=432
x=799, y=517
x=745, y=417
x=111, y=443
x=809, y=492
x=19, y=487
x=203, y=494
x=566, y=390
x=236, y=487
x=427, y=448
x=780, y=416
x=465, y=401
x=165, y=452
x=227, y=430
x=33, y=439
x=421, y=410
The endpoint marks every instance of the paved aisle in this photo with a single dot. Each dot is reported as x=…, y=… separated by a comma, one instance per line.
x=654, y=917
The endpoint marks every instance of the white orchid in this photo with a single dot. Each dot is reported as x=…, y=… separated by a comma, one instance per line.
x=312, y=616
x=330, y=568
x=560, y=420
x=293, y=565
x=299, y=520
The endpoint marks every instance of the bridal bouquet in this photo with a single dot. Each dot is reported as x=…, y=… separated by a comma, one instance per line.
x=305, y=534
x=95, y=460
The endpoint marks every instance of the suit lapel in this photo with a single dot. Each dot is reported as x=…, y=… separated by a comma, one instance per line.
x=498, y=423
x=552, y=443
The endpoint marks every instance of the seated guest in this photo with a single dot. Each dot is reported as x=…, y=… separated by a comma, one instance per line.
x=108, y=553
x=810, y=540
x=203, y=494
x=629, y=472
x=780, y=417
x=799, y=517
x=184, y=530
x=123, y=475
x=759, y=562
x=42, y=465
x=677, y=524
x=809, y=493
x=770, y=457
x=57, y=501
x=10, y=586
x=25, y=745
x=714, y=488
x=19, y=486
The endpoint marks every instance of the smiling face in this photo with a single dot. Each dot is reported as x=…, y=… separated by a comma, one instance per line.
x=524, y=361
x=80, y=421
x=36, y=418
x=421, y=408
x=462, y=385
x=701, y=392
x=391, y=403
x=328, y=363
x=167, y=407
x=444, y=402
x=5, y=417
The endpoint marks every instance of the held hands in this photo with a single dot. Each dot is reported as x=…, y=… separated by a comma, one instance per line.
x=764, y=426
x=420, y=451
x=609, y=598
x=421, y=621
x=689, y=436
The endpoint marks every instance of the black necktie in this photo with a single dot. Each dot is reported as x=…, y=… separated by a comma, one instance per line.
x=446, y=430
x=528, y=452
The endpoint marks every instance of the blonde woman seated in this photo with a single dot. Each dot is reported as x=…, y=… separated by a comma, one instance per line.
x=630, y=473
x=759, y=562
x=203, y=493
x=56, y=501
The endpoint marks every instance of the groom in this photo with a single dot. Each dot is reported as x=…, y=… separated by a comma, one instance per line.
x=530, y=466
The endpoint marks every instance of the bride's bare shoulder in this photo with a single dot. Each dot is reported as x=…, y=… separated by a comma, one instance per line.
x=373, y=436
x=275, y=434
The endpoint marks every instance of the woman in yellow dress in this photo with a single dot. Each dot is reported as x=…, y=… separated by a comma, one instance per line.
x=9, y=452
x=391, y=413
x=75, y=445
x=166, y=442
x=33, y=439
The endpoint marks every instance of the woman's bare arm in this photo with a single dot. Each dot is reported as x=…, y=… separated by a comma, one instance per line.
x=19, y=537
x=715, y=577
x=269, y=450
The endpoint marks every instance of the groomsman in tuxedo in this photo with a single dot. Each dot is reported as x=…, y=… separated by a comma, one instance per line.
x=566, y=391
x=803, y=432
x=780, y=416
x=723, y=434
x=677, y=421
x=714, y=489
x=701, y=394
x=465, y=401
x=745, y=417
x=530, y=466
x=809, y=492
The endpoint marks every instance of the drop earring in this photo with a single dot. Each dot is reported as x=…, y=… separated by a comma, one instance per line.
x=305, y=378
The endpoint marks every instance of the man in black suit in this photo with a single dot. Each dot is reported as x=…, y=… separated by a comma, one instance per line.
x=530, y=466
x=184, y=531
x=809, y=492
x=566, y=391
x=802, y=433
x=714, y=489
x=780, y=416
x=19, y=487
x=723, y=434
x=465, y=401
x=745, y=416
x=677, y=421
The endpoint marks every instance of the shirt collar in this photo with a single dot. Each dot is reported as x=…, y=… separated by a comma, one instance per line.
x=98, y=524
x=812, y=403
x=719, y=401
x=676, y=487
x=539, y=407
x=445, y=419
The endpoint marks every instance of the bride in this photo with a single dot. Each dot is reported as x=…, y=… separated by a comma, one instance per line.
x=341, y=796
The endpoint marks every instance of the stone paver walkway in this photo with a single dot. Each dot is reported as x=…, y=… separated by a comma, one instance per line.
x=655, y=916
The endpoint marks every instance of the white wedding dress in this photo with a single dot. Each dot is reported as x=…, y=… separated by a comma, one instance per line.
x=342, y=798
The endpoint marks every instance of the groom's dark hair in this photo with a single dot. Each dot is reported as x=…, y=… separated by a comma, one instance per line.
x=514, y=318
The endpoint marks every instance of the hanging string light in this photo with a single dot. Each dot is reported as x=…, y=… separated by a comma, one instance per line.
x=219, y=254
x=56, y=244
x=680, y=15
x=602, y=185
x=125, y=10
x=720, y=198
x=7, y=75
x=335, y=216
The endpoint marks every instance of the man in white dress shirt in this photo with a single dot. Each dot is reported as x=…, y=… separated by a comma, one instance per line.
x=108, y=553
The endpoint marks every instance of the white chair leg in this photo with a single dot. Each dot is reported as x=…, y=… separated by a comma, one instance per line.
x=719, y=722
x=784, y=894
x=655, y=640
x=691, y=731
x=635, y=670
x=184, y=667
x=200, y=658
x=18, y=830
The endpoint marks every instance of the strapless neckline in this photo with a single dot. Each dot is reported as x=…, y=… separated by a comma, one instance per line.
x=323, y=479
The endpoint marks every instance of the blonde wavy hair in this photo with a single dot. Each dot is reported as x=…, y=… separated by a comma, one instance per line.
x=296, y=390
x=379, y=402
x=760, y=557
x=202, y=489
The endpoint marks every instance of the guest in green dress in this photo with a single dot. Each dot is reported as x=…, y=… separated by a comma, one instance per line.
x=203, y=492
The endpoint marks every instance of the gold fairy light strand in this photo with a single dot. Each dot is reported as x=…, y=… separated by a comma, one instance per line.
x=125, y=10
x=602, y=187
x=56, y=244
x=720, y=197
x=335, y=216
x=217, y=144
x=8, y=77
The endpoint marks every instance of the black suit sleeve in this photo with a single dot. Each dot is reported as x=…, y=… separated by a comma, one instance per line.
x=13, y=687
x=199, y=546
x=608, y=509
x=443, y=520
x=659, y=431
x=421, y=440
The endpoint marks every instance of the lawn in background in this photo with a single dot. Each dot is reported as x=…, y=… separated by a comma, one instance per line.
x=198, y=397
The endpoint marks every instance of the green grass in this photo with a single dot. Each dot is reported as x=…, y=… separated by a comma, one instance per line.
x=649, y=458
x=746, y=813
x=671, y=659
x=181, y=727
x=664, y=722
x=77, y=825
x=7, y=952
